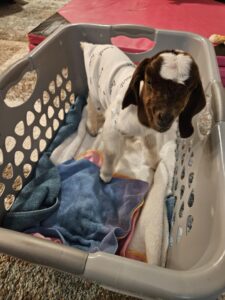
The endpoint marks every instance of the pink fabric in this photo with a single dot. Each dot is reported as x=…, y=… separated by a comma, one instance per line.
x=221, y=61
x=93, y=156
x=34, y=40
x=41, y=236
x=96, y=158
x=222, y=74
x=204, y=17
x=126, y=241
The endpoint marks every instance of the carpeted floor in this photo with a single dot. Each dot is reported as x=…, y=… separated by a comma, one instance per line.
x=20, y=280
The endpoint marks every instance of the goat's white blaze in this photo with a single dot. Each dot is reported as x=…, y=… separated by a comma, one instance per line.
x=175, y=67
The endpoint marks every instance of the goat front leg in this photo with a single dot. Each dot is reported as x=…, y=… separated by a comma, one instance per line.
x=152, y=151
x=95, y=119
x=107, y=168
x=113, y=147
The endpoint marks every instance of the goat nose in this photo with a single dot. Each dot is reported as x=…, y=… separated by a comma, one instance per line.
x=164, y=119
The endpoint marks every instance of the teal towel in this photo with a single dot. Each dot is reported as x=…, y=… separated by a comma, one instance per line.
x=37, y=200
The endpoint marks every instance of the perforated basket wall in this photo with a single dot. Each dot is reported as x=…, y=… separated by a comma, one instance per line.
x=193, y=189
x=33, y=124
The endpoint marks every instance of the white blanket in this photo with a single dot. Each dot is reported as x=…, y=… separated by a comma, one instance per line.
x=151, y=234
x=150, y=239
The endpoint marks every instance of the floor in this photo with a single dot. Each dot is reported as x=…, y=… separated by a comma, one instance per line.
x=19, y=17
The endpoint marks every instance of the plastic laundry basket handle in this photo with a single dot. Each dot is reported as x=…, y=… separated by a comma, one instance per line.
x=218, y=96
x=39, y=251
x=133, y=31
x=14, y=74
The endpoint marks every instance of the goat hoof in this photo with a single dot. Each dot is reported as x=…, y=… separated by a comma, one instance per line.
x=93, y=132
x=105, y=177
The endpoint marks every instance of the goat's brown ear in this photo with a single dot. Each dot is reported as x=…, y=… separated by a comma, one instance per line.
x=132, y=93
x=195, y=104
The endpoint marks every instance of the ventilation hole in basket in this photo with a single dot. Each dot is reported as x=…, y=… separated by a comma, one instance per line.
x=34, y=155
x=30, y=118
x=56, y=102
x=67, y=107
x=179, y=234
x=61, y=114
x=10, y=143
x=51, y=87
x=189, y=149
x=42, y=145
x=17, y=184
x=182, y=173
x=191, y=159
x=27, y=168
x=176, y=171
x=48, y=133
x=175, y=202
x=2, y=188
x=176, y=154
x=63, y=95
x=191, y=199
x=183, y=146
x=55, y=124
x=50, y=112
x=27, y=143
x=18, y=158
x=72, y=99
x=8, y=201
x=18, y=94
x=69, y=86
x=176, y=184
x=43, y=120
x=182, y=158
x=173, y=218
x=37, y=106
x=65, y=72
x=170, y=245
x=204, y=121
x=46, y=97
x=36, y=132
x=1, y=157
x=190, y=178
x=182, y=189
x=181, y=211
x=19, y=128
x=59, y=80
x=8, y=171
x=190, y=220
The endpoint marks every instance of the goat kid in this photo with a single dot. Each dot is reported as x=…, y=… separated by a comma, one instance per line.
x=143, y=100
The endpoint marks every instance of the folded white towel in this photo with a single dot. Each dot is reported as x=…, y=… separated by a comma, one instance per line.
x=151, y=236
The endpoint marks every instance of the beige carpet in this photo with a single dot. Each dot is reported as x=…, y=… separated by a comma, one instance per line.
x=11, y=51
x=17, y=19
x=20, y=280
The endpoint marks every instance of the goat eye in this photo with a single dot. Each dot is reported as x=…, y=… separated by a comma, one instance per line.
x=149, y=82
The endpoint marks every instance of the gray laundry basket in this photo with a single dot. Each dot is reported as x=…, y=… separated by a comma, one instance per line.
x=196, y=257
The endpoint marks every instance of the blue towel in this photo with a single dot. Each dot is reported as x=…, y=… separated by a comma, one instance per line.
x=170, y=204
x=38, y=199
x=92, y=215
